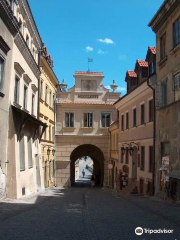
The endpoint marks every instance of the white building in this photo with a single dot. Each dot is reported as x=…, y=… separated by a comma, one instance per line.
x=84, y=113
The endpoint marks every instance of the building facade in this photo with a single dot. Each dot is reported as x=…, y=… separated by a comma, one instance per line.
x=23, y=164
x=84, y=113
x=166, y=25
x=114, y=155
x=8, y=29
x=48, y=84
x=136, y=128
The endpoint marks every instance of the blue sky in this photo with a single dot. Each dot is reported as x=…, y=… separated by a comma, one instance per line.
x=112, y=32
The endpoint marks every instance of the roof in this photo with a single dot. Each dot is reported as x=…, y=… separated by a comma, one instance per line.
x=142, y=63
x=152, y=49
x=86, y=103
x=132, y=73
x=88, y=72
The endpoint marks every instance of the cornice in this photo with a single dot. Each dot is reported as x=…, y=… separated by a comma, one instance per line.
x=26, y=53
x=8, y=17
x=163, y=14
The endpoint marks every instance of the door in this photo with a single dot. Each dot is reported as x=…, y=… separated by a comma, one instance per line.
x=141, y=186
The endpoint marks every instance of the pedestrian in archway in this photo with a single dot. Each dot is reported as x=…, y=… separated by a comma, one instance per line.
x=92, y=180
x=83, y=173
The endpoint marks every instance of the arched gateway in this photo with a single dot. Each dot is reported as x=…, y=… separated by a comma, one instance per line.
x=98, y=160
x=84, y=113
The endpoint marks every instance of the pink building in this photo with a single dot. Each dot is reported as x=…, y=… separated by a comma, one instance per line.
x=136, y=125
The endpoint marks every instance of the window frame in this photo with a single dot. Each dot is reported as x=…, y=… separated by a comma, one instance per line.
x=25, y=96
x=2, y=72
x=163, y=46
x=142, y=111
x=178, y=84
x=16, y=89
x=32, y=103
x=164, y=97
x=176, y=38
x=89, y=121
x=151, y=110
x=127, y=120
x=135, y=117
x=142, y=165
x=106, y=125
x=122, y=122
x=69, y=120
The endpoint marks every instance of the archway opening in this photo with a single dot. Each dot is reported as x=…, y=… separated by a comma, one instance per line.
x=89, y=159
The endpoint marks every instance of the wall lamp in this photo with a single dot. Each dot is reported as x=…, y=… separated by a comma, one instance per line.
x=131, y=146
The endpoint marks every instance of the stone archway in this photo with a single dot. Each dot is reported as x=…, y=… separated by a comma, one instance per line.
x=95, y=154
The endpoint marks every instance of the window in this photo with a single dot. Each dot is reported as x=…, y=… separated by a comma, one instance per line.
x=27, y=40
x=30, y=163
x=163, y=47
x=16, y=90
x=151, y=110
x=41, y=89
x=134, y=117
x=49, y=132
x=122, y=122
x=46, y=91
x=20, y=25
x=176, y=32
x=69, y=119
x=121, y=160
x=177, y=87
x=1, y=72
x=53, y=134
x=105, y=119
x=152, y=66
x=127, y=120
x=142, y=167
x=164, y=93
x=45, y=134
x=127, y=155
x=142, y=114
x=88, y=119
x=25, y=97
x=22, y=153
x=151, y=156
x=32, y=108
x=53, y=103
x=50, y=93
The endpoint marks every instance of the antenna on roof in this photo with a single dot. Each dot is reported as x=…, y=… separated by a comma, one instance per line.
x=89, y=60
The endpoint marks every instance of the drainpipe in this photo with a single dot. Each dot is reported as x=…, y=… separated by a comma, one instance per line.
x=154, y=137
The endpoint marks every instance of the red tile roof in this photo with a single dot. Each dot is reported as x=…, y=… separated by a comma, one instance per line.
x=131, y=73
x=142, y=63
x=152, y=49
x=93, y=73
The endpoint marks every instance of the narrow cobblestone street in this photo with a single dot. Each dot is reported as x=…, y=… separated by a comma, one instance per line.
x=86, y=214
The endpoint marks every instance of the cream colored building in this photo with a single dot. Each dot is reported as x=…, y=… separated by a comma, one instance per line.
x=166, y=25
x=114, y=155
x=48, y=84
x=136, y=139
x=23, y=164
x=84, y=113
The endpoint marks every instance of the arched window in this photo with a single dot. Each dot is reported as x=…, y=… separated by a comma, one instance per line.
x=20, y=25
x=27, y=40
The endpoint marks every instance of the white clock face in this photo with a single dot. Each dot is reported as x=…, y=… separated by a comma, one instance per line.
x=89, y=85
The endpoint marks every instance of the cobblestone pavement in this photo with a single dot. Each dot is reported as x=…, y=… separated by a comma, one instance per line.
x=86, y=214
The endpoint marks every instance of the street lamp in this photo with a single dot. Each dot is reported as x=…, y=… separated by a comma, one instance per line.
x=53, y=152
x=131, y=150
x=48, y=151
x=123, y=148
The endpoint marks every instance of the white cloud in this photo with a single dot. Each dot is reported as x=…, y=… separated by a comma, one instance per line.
x=106, y=40
x=101, y=51
x=119, y=89
x=122, y=57
x=89, y=49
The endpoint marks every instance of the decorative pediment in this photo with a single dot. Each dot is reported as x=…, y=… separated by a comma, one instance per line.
x=34, y=88
x=27, y=79
x=18, y=68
